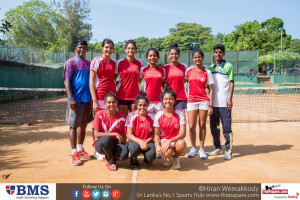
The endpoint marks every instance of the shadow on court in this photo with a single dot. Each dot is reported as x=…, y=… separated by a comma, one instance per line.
x=14, y=134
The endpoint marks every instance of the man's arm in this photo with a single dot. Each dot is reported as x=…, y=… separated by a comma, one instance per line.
x=229, y=101
x=68, y=88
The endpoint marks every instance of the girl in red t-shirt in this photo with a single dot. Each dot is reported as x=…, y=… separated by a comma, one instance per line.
x=102, y=75
x=199, y=78
x=128, y=69
x=109, y=133
x=175, y=73
x=169, y=127
x=154, y=79
x=140, y=132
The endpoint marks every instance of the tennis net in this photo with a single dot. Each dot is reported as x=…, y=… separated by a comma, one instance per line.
x=251, y=104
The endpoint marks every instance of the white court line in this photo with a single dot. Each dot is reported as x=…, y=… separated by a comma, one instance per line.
x=133, y=185
x=295, y=124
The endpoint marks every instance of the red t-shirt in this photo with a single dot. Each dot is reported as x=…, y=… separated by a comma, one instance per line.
x=198, y=80
x=175, y=79
x=153, y=82
x=141, y=129
x=169, y=126
x=128, y=87
x=105, y=72
x=103, y=123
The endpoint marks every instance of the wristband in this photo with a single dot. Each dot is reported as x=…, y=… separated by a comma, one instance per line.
x=211, y=106
x=72, y=98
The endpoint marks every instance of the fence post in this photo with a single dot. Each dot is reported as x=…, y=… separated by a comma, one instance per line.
x=237, y=62
x=274, y=60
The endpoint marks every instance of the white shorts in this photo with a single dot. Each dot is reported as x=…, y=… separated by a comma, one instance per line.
x=172, y=143
x=202, y=105
x=155, y=107
x=101, y=104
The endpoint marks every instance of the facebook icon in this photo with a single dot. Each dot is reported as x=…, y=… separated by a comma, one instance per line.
x=76, y=194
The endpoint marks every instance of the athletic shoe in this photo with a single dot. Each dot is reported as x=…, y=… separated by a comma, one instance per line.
x=192, y=152
x=202, y=154
x=84, y=154
x=215, y=152
x=167, y=162
x=176, y=164
x=99, y=156
x=228, y=155
x=75, y=159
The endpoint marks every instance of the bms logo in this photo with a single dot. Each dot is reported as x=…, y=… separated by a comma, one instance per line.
x=10, y=189
x=28, y=189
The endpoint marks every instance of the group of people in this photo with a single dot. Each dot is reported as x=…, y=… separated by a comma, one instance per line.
x=128, y=122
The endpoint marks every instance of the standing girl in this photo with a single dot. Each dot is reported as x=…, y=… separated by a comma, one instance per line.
x=154, y=80
x=129, y=69
x=199, y=78
x=140, y=132
x=169, y=127
x=175, y=73
x=102, y=75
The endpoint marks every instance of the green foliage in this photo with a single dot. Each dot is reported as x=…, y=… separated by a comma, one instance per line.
x=36, y=24
x=283, y=59
x=188, y=36
x=265, y=37
x=76, y=13
x=247, y=36
x=295, y=45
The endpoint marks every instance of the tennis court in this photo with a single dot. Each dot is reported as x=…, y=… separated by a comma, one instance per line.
x=34, y=146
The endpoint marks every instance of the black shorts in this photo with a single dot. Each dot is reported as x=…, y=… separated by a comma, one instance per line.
x=181, y=104
x=126, y=102
x=81, y=116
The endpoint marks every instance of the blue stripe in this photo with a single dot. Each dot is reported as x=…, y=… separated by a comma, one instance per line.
x=219, y=73
x=222, y=64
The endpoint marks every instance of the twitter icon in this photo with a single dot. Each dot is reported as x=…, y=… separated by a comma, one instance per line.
x=96, y=194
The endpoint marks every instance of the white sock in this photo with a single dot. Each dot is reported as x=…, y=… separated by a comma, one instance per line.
x=79, y=147
x=74, y=151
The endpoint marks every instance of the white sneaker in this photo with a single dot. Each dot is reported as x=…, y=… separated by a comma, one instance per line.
x=228, y=155
x=192, y=152
x=99, y=156
x=202, y=154
x=176, y=164
x=215, y=152
x=167, y=162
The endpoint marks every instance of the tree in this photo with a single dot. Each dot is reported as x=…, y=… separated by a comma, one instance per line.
x=76, y=13
x=246, y=36
x=295, y=45
x=157, y=43
x=188, y=36
x=265, y=37
x=142, y=43
x=272, y=30
x=36, y=24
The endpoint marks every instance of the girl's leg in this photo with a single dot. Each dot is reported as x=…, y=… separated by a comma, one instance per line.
x=192, y=118
x=132, y=107
x=180, y=147
x=202, y=127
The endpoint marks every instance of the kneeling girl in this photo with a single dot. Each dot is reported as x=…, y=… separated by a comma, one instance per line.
x=109, y=132
x=140, y=132
x=169, y=126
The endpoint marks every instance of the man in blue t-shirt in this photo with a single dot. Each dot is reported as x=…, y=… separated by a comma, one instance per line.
x=79, y=110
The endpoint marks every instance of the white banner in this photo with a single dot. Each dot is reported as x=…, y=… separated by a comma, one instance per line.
x=36, y=191
x=280, y=191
